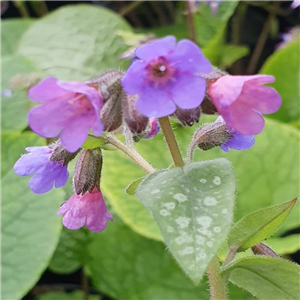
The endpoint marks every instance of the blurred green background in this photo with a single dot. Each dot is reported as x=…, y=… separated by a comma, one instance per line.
x=79, y=40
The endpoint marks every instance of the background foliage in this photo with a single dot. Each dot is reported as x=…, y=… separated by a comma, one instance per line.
x=128, y=260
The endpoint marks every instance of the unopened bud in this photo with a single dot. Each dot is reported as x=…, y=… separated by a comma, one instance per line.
x=187, y=117
x=136, y=122
x=60, y=154
x=88, y=171
x=212, y=135
x=109, y=86
x=263, y=249
x=150, y=132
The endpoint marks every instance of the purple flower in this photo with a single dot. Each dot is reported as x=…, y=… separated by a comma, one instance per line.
x=166, y=75
x=70, y=109
x=241, y=100
x=238, y=142
x=88, y=209
x=213, y=6
x=46, y=173
x=153, y=129
x=295, y=4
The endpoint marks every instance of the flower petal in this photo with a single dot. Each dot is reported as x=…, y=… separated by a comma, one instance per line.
x=135, y=78
x=159, y=47
x=46, y=90
x=75, y=133
x=187, y=57
x=155, y=103
x=188, y=91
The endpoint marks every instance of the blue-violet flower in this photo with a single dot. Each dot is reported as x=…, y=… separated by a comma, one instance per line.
x=238, y=142
x=166, y=76
x=46, y=172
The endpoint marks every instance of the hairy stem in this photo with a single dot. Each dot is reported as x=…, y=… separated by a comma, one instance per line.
x=190, y=21
x=132, y=153
x=171, y=141
x=217, y=285
x=231, y=254
x=190, y=151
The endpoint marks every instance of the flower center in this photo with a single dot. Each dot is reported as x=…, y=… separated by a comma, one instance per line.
x=159, y=71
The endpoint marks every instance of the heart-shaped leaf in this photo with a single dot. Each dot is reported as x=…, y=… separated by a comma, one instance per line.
x=193, y=207
x=258, y=225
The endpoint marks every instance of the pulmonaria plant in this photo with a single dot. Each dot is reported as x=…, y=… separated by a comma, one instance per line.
x=193, y=202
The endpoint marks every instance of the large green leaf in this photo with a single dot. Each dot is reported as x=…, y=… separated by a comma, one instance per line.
x=257, y=226
x=125, y=265
x=265, y=277
x=193, y=207
x=71, y=252
x=261, y=181
x=30, y=232
x=207, y=25
x=78, y=295
x=14, y=108
x=30, y=228
x=284, y=65
x=11, y=32
x=75, y=42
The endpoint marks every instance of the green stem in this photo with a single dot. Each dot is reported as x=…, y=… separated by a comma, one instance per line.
x=171, y=141
x=21, y=6
x=127, y=9
x=217, y=285
x=85, y=285
x=190, y=21
x=132, y=153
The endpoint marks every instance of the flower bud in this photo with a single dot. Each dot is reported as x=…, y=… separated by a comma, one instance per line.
x=109, y=86
x=136, y=122
x=60, y=154
x=187, y=117
x=212, y=135
x=87, y=171
x=150, y=132
x=263, y=249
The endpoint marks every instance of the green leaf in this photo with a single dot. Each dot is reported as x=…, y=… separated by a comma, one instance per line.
x=265, y=277
x=14, y=109
x=257, y=226
x=71, y=252
x=13, y=144
x=232, y=53
x=30, y=229
x=285, y=245
x=124, y=265
x=132, y=187
x=11, y=33
x=284, y=65
x=30, y=232
x=93, y=142
x=262, y=182
x=193, y=207
x=78, y=295
x=207, y=25
x=75, y=42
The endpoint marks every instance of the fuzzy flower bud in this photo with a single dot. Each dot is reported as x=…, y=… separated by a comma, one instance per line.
x=88, y=171
x=109, y=86
x=187, y=117
x=60, y=154
x=135, y=121
x=263, y=249
x=212, y=135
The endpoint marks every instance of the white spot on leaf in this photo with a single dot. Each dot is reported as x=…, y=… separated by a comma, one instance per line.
x=202, y=180
x=183, y=222
x=210, y=201
x=186, y=251
x=164, y=212
x=204, y=221
x=180, y=197
x=217, y=180
x=217, y=229
x=155, y=191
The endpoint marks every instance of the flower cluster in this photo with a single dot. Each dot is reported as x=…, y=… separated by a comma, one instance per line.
x=165, y=79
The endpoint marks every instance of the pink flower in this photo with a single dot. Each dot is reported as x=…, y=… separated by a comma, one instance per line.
x=241, y=100
x=88, y=209
x=70, y=109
